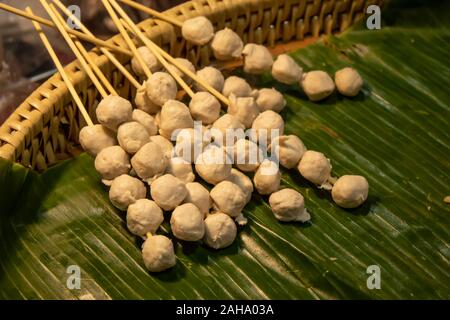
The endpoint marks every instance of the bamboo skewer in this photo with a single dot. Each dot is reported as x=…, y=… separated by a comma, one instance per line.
x=78, y=34
x=128, y=40
x=163, y=61
x=74, y=48
x=108, y=54
x=172, y=60
x=88, y=58
x=61, y=70
x=153, y=12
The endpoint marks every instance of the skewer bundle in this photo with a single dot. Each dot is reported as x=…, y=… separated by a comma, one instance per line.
x=226, y=129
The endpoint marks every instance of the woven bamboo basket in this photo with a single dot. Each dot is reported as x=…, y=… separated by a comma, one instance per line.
x=44, y=128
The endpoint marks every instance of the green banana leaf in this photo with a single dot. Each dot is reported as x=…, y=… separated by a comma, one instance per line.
x=396, y=133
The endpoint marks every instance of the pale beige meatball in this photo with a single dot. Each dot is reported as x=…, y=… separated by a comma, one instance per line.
x=237, y=86
x=149, y=59
x=317, y=85
x=244, y=109
x=187, y=223
x=165, y=145
x=160, y=88
x=270, y=99
x=186, y=64
x=257, y=58
x=211, y=76
x=199, y=196
x=228, y=198
x=143, y=217
x=149, y=162
x=226, y=124
x=204, y=107
x=132, y=136
x=112, y=111
x=348, y=82
x=243, y=182
x=267, y=178
x=267, y=125
x=227, y=45
x=247, y=155
x=213, y=165
x=125, y=190
x=181, y=169
x=288, y=205
x=198, y=30
x=143, y=102
x=220, y=230
x=158, y=253
x=112, y=162
x=95, y=138
x=286, y=70
x=146, y=120
x=174, y=115
x=315, y=167
x=288, y=149
x=190, y=143
x=350, y=191
x=168, y=191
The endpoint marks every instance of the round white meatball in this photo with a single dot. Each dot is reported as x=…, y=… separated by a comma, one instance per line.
x=315, y=167
x=211, y=76
x=143, y=217
x=165, y=145
x=175, y=115
x=244, y=109
x=143, y=102
x=317, y=85
x=132, y=136
x=227, y=45
x=270, y=99
x=181, y=169
x=198, y=30
x=187, y=223
x=213, y=165
x=112, y=162
x=348, y=82
x=220, y=230
x=226, y=124
x=266, y=126
x=350, y=191
x=286, y=70
x=243, y=182
x=247, y=155
x=112, y=111
x=146, y=120
x=190, y=143
x=257, y=58
x=168, y=191
x=267, y=178
x=158, y=253
x=238, y=86
x=186, y=64
x=149, y=59
x=95, y=138
x=228, y=198
x=125, y=190
x=289, y=150
x=204, y=107
x=199, y=196
x=288, y=205
x=149, y=162
x=160, y=88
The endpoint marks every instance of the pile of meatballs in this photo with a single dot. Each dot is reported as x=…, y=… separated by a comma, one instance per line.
x=146, y=154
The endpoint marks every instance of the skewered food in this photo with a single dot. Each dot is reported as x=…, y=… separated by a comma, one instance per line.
x=112, y=162
x=226, y=45
x=168, y=191
x=187, y=223
x=286, y=70
x=185, y=63
x=132, y=136
x=143, y=102
x=160, y=88
x=348, y=82
x=198, y=30
x=244, y=109
x=146, y=120
x=125, y=190
x=315, y=167
x=149, y=59
x=243, y=182
x=267, y=125
x=181, y=169
x=199, y=196
x=158, y=253
x=174, y=115
x=247, y=155
x=267, y=178
x=211, y=76
x=220, y=230
x=228, y=198
x=289, y=150
x=317, y=85
x=143, y=217
x=257, y=58
x=149, y=162
x=213, y=165
x=112, y=111
x=270, y=99
x=237, y=86
x=95, y=138
x=204, y=107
